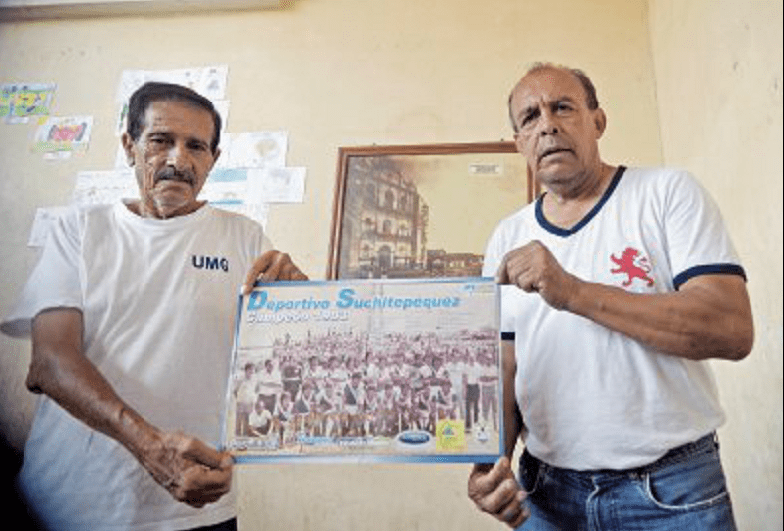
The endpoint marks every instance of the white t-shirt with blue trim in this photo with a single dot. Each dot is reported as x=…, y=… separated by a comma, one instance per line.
x=592, y=398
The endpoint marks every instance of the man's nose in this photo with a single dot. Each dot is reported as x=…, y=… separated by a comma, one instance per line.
x=548, y=124
x=178, y=157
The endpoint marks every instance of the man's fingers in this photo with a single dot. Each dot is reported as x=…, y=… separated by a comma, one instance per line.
x=200, y=485
x=272, y=265
x=505, y=495
x=259, y=266
x=484, y=483
x=195, y=450
x=501, y=275
x=515, y=513
x=291, y=272
x=205, y=474
x=207, y=481
x=496, y=491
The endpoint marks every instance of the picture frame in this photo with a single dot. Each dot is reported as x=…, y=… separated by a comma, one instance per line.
x=424, y=210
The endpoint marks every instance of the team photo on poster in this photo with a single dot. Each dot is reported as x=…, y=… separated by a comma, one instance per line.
x=382, y=370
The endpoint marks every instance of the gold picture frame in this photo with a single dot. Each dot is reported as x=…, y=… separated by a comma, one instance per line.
x=422, y=211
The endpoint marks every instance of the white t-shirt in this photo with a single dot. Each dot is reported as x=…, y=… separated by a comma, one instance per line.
x=158, y=299
x=592, y=398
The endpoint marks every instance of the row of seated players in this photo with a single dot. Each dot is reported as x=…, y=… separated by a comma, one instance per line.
x=356, y=410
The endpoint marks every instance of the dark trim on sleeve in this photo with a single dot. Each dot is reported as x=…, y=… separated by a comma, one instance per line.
x=710, y=269
x=507, y=336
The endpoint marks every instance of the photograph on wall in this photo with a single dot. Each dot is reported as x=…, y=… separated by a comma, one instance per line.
x=422, y=211
x=366, y=370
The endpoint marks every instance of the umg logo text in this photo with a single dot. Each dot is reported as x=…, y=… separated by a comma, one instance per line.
x=210, y=262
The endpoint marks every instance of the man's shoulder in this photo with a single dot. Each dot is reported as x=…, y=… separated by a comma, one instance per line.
x=234, y=226
x=655, y=175
x=519, y=222
x=72, y=218
x=661, y=185
x=226, y=216
x=521, y=216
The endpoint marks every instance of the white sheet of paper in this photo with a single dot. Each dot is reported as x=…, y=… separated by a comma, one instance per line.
x=103, y=187
x=225, y=186
x=276, y=185
x=60, y=136
x=209, y=81
x=257, y=149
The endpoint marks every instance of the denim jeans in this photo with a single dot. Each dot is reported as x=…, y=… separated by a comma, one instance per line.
x=683, y=491
x=228, y=525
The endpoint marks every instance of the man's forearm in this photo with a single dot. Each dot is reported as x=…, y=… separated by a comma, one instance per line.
x=710, y=317
x=60, y=370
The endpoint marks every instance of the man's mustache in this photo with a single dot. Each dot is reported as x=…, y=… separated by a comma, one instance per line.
x=170, y=173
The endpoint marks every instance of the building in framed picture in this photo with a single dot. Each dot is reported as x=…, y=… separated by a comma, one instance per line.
x=421, y=211
x=385, y=234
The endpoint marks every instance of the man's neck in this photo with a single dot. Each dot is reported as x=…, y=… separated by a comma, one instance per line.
x=141, y=209
x=566, y=209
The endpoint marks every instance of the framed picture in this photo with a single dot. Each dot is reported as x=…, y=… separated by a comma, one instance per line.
x=422, y=211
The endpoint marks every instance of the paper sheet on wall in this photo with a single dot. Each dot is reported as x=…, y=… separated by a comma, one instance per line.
x=103, y=187
x=258, y=149
x=59, y=137
x=225, y=186
x=276, y=185
x=209, y=81
x=19, y=101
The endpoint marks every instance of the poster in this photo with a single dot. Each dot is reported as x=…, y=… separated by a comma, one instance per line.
x=59, y=137
x=19, y=101
x=366, y=370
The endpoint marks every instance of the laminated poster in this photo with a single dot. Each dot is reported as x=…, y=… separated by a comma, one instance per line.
x=59, y=137
x=19, y=101
x=366, y=371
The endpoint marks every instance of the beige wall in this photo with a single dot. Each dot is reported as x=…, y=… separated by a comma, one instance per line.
x=352, y=72
x=719, y=85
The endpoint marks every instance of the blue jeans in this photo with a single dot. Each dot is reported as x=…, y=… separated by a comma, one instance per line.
x=683, y=491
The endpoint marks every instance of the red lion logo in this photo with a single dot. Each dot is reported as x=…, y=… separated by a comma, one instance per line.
x=632, y=266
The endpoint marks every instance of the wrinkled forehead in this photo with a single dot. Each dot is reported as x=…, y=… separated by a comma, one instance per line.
x=178, y=114
x=547, y=84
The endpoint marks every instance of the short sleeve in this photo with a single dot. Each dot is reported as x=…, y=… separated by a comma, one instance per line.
x=55, y=280
x=494, y=254
x=698, y=241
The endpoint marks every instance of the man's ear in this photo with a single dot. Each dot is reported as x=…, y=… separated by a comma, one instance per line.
x=127, y=144
x=215, y=157
x=600, y=120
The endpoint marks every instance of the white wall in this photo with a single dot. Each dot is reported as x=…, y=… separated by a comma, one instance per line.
x=719, y=84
